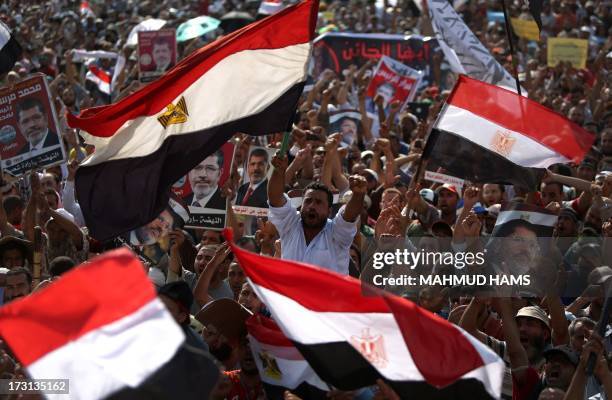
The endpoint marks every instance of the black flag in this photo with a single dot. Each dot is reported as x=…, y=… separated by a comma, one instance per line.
x=10, y=50
x=535, y=8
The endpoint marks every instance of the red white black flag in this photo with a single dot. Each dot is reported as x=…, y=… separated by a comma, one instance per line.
x=489, y=134
x=350, y=340
x=248, y=81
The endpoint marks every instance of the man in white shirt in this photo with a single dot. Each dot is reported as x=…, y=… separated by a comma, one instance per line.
x=309, y=235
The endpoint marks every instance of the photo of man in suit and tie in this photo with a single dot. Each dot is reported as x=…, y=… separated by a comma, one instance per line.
x=254, y=193
x=34, y=126
x=204, y=181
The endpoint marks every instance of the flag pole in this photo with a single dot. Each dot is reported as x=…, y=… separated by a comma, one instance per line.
x=510, y=41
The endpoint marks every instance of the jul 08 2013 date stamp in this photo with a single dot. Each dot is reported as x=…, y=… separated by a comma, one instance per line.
x=32, y=386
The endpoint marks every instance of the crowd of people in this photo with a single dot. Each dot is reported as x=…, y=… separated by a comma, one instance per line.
x=545, y=336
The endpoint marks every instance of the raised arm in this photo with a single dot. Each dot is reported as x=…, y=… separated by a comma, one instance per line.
x=276, y=184
x=359, y=187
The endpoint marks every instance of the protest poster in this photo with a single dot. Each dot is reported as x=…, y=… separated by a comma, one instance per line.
x=346, y=122
x=156, y=53
x=394, y=81
x=337, y=51
x=29, y=128
x=525, y=28
x=439, y=177
x=252, y=195
x=567, y=50
x=174, y=216
x=201, y=189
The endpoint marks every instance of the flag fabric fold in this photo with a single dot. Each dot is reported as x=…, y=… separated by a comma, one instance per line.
x=464, y=52
x=350, y=339
x=10, y=49
x=278, y=361
x=248, y=81
x=489, y=134
x=95, y=329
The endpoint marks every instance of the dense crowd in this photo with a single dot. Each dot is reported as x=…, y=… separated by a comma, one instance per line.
x=545, y=337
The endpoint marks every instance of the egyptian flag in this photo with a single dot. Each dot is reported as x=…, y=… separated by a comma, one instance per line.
x=351, y=337
x=10, y=49
x=99, y=77
x=489, y=134
x=248, y=81
x=96, y=327
x=280, y=364
x=514, y=214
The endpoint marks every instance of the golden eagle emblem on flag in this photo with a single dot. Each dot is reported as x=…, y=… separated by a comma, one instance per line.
x=174, y=114
x=270, y=366
x=372, y=347
x=502, y=143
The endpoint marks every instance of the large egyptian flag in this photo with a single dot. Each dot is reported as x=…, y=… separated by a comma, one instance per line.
x=351, y=339
x=485, y=133
x=10, y=49
x=96, y=326
x=248, y=81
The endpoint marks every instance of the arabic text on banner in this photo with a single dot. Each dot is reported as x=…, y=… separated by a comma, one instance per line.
x=337, y=51
x=565, y=49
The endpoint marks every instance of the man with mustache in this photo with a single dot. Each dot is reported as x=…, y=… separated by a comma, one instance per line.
x=253, y=193
x=204, y=181
x=34, y=126
x=18, y=284
x=309, y=235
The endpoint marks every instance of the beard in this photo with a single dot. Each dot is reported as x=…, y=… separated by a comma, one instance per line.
x=313, y=223
x=221, y=353
x=535, y=348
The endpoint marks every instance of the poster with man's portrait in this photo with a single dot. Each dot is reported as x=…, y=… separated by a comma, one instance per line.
x=201, y=189
x=252, y=194
x=156, y=53
x=394, y=81
x=346, y=122
x=174, y=216
x=30, y=137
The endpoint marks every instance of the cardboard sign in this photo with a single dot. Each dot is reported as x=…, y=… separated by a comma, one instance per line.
x=526, y=29
x=567, y=50
x=394, y=81
x=30, y=136
x=201, y=189
x=346, y=122
x=252, y=194
x=443, y=178
x=156, y=53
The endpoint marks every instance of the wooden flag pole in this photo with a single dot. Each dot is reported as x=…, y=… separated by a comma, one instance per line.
x=510, y=41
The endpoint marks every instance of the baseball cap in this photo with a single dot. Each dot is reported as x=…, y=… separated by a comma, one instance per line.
x=564, y=349
x=372, y=172
x=449, y=187
x=227, y=315
x=534, y=312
